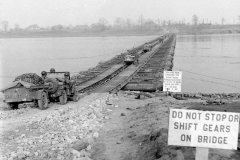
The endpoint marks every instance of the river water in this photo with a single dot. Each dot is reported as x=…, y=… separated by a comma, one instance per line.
x=209, y=63
x=74, y=54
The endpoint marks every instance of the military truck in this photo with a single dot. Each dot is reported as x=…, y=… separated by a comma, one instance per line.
x=147, y=47
x=131, y=58
x=28, y=89
x=31, y=89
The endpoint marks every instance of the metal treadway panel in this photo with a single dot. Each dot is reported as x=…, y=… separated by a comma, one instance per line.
x=125, y=74
x=99, y=77
x=117, y=76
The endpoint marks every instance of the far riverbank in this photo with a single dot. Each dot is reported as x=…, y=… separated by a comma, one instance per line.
x=181, y=30
x=105, y=33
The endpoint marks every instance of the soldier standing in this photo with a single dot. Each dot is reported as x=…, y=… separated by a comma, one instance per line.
x=66, y=81
x=66, y=78
x=136, y=59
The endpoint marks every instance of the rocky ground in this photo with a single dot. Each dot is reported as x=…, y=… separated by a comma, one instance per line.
x=105, y=127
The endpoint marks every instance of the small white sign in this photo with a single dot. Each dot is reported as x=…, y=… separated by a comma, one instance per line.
x=172, y=81
x=203, y=129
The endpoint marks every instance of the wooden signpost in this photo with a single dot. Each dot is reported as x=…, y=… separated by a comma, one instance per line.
x=203, y=130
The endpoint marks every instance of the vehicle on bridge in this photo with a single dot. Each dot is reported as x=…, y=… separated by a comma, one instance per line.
x=147, y=47
x=131, y=59
x=29, y=89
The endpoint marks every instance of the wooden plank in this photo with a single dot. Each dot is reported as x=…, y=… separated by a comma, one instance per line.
x=201, y=153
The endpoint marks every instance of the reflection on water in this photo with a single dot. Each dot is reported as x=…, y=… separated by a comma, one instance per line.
x=194, y=38
x=33, y=55
x=210, y=63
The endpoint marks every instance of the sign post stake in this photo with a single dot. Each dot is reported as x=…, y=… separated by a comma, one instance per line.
x=201, y=153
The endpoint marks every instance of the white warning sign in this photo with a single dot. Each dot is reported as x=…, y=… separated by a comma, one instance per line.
x=172, y=81
x=207, y=129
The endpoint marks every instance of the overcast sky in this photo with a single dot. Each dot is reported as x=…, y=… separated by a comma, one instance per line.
x=79, y=12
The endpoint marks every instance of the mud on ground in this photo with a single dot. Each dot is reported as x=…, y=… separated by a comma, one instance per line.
x=102, y=127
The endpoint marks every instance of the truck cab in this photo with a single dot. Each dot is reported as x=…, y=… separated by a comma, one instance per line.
x=129, y=59
x=147, y=47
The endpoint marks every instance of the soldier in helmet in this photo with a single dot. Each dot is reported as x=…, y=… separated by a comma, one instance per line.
x=52, y=70
x=66, y=81
x=44, y=74
x=66, y=78
x=136, y=60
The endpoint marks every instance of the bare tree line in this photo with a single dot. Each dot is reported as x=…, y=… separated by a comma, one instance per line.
x=119, y=24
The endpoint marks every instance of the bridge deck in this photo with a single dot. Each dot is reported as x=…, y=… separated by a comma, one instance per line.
x=99, y=77
x=122, y=78
x=126, y=73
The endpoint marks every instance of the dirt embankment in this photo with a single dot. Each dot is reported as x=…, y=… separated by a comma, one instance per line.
x=138, y=130
x=103, y=127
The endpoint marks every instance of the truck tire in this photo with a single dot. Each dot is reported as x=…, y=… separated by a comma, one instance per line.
x=54, y=85
x=75, y=98
x=63, y=97
x=43, y=101
x=12, y=105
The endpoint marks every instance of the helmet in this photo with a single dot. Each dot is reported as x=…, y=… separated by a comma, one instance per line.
x=66, y=74
x=52, y=70
x=44, y=73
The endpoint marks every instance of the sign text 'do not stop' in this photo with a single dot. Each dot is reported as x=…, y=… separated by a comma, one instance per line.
x=203, y=129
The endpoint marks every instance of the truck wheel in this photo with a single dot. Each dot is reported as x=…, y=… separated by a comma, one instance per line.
x=12, y=106
x=75, y=98
x=63, y=97
x=43, y=102
x=135, y=63
x=54, y=85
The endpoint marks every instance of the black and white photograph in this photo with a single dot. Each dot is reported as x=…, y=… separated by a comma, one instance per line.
x=119, y=79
